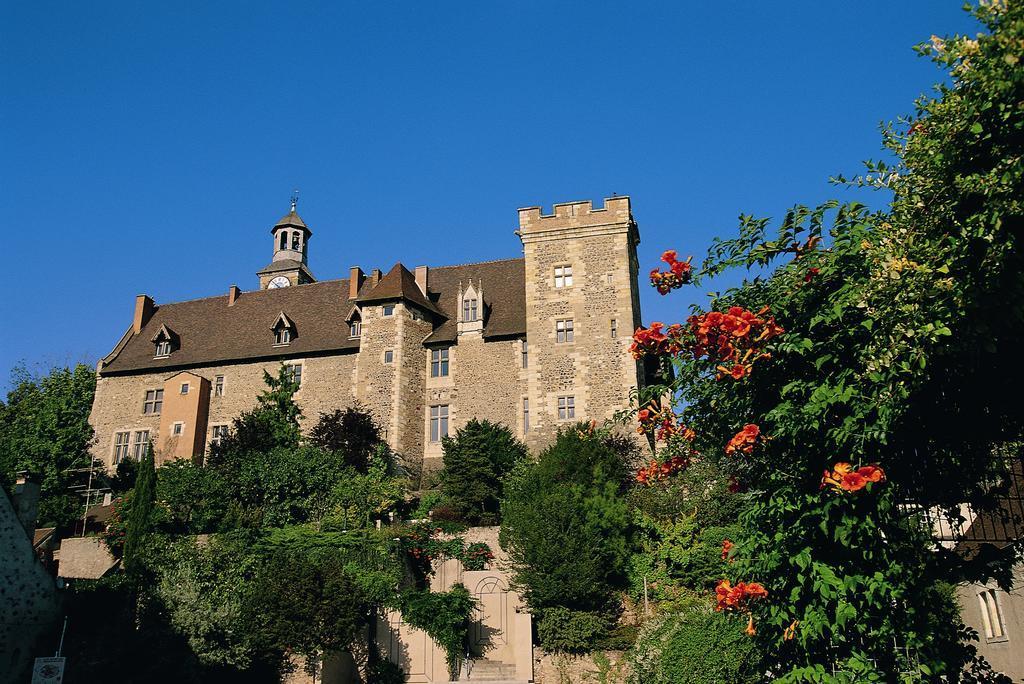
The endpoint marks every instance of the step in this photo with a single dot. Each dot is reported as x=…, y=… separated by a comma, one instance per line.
x=491, y=671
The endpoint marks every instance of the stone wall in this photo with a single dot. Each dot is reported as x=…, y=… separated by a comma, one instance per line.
x=327, y=383
x=410, y=390
x=484, y=382
x=28, y=599
x=375, y=380
x=999, y=644
x=595, y=368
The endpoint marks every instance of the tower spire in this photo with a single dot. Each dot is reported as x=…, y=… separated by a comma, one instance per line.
x=295, y=199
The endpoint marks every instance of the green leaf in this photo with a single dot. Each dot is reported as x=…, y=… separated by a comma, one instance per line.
x=976, y=128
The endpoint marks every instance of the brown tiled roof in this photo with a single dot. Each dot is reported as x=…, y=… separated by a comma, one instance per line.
x=399, y=283
x=504, y=286
x=209, y=331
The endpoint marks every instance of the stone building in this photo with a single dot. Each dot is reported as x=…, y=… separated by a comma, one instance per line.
x=534, y=342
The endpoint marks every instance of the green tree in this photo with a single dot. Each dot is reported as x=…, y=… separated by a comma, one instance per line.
x=141, y=515
x=476, y=460
x=565, y=525
x=272, y=424
x=194, y=496
x=898, y=324
x=351, y=433
x=305, y=603
x=44, y=429
x=202, y=589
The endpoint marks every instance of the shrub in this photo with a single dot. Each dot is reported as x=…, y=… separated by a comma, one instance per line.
x=565, y=525
x=697, y=647
x=562, y=630
x=475, y=460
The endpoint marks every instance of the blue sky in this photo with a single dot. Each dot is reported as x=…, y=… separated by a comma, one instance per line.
x=149, y=147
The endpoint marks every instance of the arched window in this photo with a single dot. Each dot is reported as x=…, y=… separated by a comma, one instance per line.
x=295, y=241
x=284, y=239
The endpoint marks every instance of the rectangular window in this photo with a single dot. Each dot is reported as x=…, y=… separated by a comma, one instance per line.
x=218, y=386
x=524, y=352
x=563, y=330
x=154, y=401
x=438, y=422
x=218, y=433
x=294, y=371
x=566, y=408
x=163, y=348
x=615, y=328
x=439, y=363
x=563, y=276
x=526, y=415
x=177, y=429
x=355, y=329
x=184, y=388
x=389, y=356
x=140, y=444
x=469, y=310
x=388, y=309
x=283, y=336
x=121, y=441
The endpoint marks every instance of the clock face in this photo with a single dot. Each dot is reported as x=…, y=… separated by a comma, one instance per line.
x=279, y=281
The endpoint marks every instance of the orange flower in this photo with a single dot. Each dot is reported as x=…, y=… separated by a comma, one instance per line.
x=756, y=590
x=737, y=597
x=726, y=548
x=842, y=468
x=853, y=482
x=738, y=371
x=750, y=631
x=724, y=592
x=790, y=631
x=843, y=478
x=872, y=473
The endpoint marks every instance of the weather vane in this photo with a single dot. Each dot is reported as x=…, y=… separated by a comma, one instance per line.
x=295, y=198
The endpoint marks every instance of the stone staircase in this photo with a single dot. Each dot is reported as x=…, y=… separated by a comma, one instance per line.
x=492, y=671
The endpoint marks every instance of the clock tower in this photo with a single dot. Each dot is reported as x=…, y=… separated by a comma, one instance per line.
x=291, y=249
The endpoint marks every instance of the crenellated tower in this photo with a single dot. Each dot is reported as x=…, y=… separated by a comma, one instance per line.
x=582, y=305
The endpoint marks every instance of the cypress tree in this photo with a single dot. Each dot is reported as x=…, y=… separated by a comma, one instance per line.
x=140, y=515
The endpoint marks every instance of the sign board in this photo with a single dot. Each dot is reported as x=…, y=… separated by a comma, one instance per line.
x=48, y=671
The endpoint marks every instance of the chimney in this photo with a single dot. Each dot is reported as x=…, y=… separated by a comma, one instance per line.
x=26, y=503
x=421, y=278
x=355, y=281
x=374, y=277
x=233, y=293
x=144, y=307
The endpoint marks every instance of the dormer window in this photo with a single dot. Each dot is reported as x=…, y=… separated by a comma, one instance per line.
x=284, y=330
x=165, y=341
x=355, y=328
x=469, y=310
